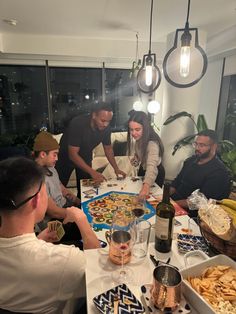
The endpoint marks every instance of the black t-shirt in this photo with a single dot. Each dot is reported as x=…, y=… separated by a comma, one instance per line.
x=211, y=178
x=80, y=134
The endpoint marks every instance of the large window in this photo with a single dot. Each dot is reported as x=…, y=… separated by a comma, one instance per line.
x=73, y=92
x=28, y=101
x=120, y=91
x=23, y=99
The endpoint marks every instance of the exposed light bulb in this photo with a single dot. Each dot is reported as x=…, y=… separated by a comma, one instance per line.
x=153, y=107
x=184, y=61
x=138, y=105
x=148, y=78
x=86, y=96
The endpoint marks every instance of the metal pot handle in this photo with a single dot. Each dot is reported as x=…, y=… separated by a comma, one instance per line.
x=108, y=236
x=199, y=253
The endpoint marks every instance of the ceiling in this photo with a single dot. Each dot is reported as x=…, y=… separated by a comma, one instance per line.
x=116, y=19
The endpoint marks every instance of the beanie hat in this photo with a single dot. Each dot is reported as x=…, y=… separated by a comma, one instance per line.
x=44, y=141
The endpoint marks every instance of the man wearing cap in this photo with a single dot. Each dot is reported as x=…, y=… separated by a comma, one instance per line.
x=78, y=141
x=45, y=154
x=36, y=276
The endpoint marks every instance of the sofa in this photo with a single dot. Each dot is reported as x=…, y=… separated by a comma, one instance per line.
x=100, y=162
x=119, y=144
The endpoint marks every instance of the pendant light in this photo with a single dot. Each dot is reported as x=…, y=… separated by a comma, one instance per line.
x=186, y=75
x=149, y=75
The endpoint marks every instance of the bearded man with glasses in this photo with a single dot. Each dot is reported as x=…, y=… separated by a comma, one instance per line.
x=203, y=171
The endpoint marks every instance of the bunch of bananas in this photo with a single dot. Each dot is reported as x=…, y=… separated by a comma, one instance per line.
x=230, y=207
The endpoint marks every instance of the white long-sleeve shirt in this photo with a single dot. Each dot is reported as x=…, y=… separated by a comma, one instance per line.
x=150, y=162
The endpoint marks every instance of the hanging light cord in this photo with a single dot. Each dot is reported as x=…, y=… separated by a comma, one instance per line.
x=188, y=11
x=150, y=34
x=137, y=54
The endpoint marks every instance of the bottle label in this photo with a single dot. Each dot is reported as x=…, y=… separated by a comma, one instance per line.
x=162, y=228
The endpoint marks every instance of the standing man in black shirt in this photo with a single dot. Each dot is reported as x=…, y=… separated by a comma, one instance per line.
x=83, y=134
x=203, y=171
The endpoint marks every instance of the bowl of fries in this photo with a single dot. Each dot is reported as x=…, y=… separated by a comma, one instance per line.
x=217, y=244
x=210, y=286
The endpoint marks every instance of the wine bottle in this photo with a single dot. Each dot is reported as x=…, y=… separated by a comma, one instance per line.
x=165, y=213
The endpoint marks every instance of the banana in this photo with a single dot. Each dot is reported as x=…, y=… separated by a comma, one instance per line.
x=231, y=212
x=229, y=203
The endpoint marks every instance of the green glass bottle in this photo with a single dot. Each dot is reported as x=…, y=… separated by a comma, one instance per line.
x=164, y=227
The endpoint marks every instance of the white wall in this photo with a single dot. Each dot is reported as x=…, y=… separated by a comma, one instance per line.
x=73, y=49
x=210, y=92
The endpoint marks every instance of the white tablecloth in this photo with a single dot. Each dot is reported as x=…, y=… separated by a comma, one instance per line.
x=99, y=267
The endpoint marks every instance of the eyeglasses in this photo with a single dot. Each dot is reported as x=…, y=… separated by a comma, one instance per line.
x=9, y=203
x=201, y=145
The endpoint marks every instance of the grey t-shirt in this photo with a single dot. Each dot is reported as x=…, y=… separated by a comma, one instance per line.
x=53, y=186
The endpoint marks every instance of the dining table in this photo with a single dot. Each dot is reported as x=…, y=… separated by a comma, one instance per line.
x=99, y=268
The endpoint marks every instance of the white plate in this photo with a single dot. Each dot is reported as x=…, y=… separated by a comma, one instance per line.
x=189, y=242
x=128, y=303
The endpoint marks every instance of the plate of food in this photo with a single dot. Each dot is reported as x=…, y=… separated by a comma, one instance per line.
x=209, y=285
x=189, y=242
x=118, y=300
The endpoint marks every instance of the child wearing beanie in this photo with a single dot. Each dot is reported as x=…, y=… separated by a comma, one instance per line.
x=59, y=197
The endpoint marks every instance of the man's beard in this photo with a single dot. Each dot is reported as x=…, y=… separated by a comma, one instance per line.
x=203, y=155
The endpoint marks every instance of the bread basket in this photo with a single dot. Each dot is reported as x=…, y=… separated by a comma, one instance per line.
x=215, y=243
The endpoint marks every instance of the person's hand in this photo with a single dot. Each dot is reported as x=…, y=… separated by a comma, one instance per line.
x=73, y=214
x=119, y=172
x=77, y=201
x=48, y=236
x=98, y=177
x=73, y=199
x=144, y=191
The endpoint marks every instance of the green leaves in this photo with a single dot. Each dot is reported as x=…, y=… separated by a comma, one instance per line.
x=230, y=119
x=183, y=142
x=225, y=146
x=201, y=123
x=19, y=140
x=229, y=158
x=177, y=116
x=135, y=68
x=200, y=126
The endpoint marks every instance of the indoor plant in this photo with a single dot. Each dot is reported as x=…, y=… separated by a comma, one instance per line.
x=227, y=149
x=200, y=125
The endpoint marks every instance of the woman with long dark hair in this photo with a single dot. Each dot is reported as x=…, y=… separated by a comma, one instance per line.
x=148, y=149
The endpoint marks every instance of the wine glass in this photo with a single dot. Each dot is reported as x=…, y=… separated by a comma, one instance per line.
x=123, y=235
x=138, y=209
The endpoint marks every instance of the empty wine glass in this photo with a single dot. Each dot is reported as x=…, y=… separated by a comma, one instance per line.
x=123, y=235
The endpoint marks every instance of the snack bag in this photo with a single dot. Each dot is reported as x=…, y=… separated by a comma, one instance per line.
x=215, y=217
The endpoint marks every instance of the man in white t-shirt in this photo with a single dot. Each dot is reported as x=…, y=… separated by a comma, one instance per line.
x=36, y=276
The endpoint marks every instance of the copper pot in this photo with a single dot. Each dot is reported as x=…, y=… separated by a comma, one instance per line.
x=119, y=246
x=166, y=289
